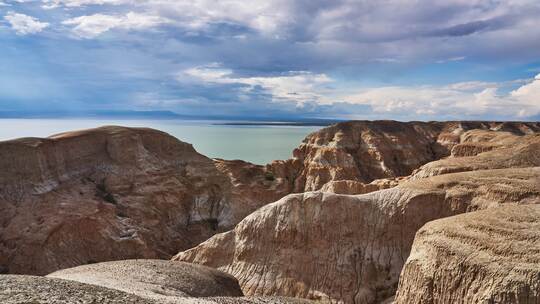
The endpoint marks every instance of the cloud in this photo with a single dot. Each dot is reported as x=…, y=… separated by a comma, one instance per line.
x=460, y=100
x=298, y=87
x=94, y=25
x=78, y=3
x=529, y=97
x=463, y=100
x=24, y=24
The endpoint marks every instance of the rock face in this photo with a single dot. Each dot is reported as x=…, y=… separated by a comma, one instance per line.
x=350, y=248
x=155, y=279
x=252, y=186
x=363, y=151
x=490, y=256
x=121, y=193
x=482, y=150
x=104, y=194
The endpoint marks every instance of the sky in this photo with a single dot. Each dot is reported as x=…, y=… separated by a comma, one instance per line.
x=274, y=59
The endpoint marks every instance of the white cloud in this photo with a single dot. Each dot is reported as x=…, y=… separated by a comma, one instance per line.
x=94, y=25
x=24, y=24
x=264, y=16
x=454, y=101
x=78, y=3
x=297, y=87
x=457, y=100
x=529, y=97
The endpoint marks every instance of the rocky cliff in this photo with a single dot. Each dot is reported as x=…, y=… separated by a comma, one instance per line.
x=490, y=256
x=104, y=194
x=364, y=151
x=350, y=248
x=119, y=193
x=251, y=187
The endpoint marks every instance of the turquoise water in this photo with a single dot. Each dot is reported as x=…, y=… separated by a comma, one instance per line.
x=256, y=144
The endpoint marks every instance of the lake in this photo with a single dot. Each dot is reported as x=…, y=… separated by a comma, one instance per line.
x=258, y=144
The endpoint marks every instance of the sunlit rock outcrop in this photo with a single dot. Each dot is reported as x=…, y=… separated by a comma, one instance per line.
x=490, y=256
x=350, y=249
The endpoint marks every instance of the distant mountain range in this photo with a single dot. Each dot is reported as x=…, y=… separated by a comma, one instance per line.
x=227, y=120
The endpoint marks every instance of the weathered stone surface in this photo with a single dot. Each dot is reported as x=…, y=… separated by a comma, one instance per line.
x=155, y=279
x=252, y=186
x=356, y=187
x=120, y=193
x=104, y=194
x=350, y=248
x=19, y=289
x=367, y=150
x=482, y=150
x=489, y=256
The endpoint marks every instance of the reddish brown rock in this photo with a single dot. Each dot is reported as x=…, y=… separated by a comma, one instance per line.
x=252, y=186
x=104, y=194
x=364, y=151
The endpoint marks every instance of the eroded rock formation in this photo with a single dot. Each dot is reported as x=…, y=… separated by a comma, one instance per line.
x=480, y=150
x=119, y=193
x=364, y=151
x=350, y=248
x=490, y=256
x=252, y=186
x=104, y=194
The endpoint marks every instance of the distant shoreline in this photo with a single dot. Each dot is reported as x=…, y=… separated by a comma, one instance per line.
x=284, y=124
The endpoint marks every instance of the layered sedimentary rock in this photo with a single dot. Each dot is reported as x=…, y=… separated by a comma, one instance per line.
x=119, y=193
x=480, y=150
x=104, y=194
x=356, y=187
x=350, y=248
x=251, y=186
x=490, y=256
x=363, y=151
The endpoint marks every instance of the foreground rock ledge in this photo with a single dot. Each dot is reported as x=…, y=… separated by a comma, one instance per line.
x=19, y=289
x=490, y=256
x=155, y=279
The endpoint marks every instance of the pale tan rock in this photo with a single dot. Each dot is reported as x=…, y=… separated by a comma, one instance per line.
x=489, y=256
x=356, y=187
x=486, y=150
x=350, y=249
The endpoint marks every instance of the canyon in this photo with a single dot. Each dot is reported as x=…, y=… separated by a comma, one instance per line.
x=363, y=211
